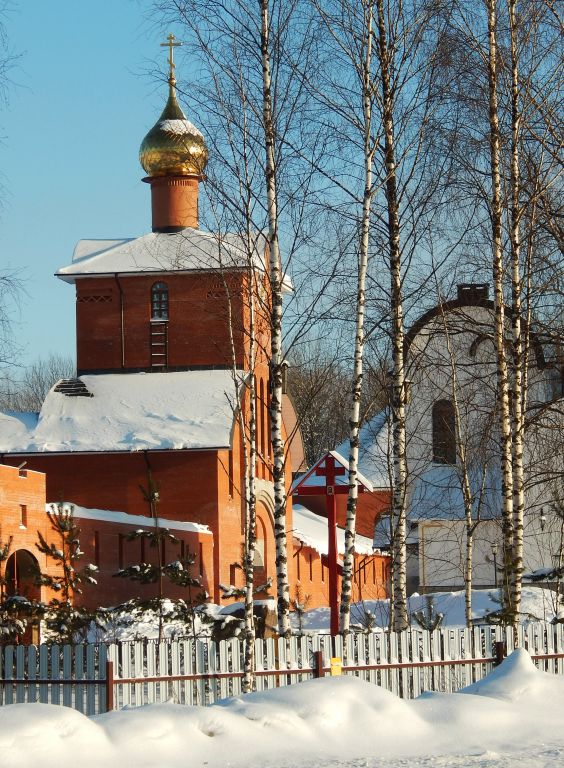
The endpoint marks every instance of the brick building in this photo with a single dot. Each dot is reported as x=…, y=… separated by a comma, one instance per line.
x=22, y=514
x=162, y=374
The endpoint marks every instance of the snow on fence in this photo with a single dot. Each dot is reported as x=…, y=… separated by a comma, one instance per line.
x=97, y=678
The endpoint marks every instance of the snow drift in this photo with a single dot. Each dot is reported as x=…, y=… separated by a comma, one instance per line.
x=516, y=711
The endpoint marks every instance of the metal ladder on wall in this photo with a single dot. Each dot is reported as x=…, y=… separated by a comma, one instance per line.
x=159, y=344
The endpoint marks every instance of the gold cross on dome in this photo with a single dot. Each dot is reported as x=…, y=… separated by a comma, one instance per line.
x=171, y=44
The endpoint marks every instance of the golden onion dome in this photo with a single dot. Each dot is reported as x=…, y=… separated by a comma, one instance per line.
x=173, y=146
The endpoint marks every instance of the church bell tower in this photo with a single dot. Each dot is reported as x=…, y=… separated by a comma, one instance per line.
x=173, y=155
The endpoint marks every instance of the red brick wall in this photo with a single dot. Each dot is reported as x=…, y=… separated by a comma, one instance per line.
x=112, y=481
x=194, y=486
x=104, y=544
x=187, y=481
x=312, y=577
x=198, y=329
x=99, y=540
x=25, y=488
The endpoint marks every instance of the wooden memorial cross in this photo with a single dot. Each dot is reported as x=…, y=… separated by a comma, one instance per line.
x=331, y=471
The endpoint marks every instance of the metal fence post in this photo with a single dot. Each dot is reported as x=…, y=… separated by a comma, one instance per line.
x=109, y=686
x=318, y=670
x=500, y=652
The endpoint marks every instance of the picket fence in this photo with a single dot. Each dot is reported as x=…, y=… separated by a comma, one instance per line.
x=97, y=678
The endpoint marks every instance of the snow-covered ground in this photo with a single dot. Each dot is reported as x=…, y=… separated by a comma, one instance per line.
x=514, y=715
x=537, y=605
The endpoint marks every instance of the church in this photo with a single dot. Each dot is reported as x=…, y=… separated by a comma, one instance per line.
x=150, y=428
x=452, y=450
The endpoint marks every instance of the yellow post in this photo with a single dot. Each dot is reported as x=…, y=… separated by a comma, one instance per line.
x=336, y=666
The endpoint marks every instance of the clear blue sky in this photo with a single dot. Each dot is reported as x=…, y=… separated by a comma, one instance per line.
x=81, y=102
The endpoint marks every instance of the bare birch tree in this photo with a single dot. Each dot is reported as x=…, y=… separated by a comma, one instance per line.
x=276, y=353
x=352, y=31
x=496, y=216
x=246, y=53
x=245, y=410
x=504, y=84
x=377, y=94
x=25, y=389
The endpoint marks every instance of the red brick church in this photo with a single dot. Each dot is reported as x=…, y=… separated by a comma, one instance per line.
x=162, y=368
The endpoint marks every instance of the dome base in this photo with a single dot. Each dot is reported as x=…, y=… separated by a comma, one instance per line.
x=174, y=202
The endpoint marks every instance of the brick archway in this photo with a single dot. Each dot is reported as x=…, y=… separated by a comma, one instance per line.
x=266, y=556
x=21, y=573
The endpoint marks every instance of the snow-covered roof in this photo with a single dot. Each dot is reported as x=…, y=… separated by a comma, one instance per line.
x=311, y=480
x=437, y=493
x=191, y=250
x=123, y=518
x=311, y=529
x=374, y=450
x=129, y=412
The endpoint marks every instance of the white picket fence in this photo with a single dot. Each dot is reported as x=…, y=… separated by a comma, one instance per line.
x=94, y=678
x=71, y=675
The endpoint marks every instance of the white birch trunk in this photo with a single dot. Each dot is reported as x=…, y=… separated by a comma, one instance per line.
x=276, y=358
x=249, y=459
x=354, y=419
x=499, y=318
x=519, y=357
x=247, y=427
x=399, y=590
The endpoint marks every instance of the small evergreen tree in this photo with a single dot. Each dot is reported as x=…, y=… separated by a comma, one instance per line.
x=428, y=617
x=299, y=605
x=62, y=616
x=177, y=572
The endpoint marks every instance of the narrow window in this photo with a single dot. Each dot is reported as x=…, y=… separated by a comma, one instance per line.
x=23, y=515
x=96, y=549
x=262, y=412
x=159, y=301
x=201, y=559
x=230, y=471
x=310, y=566
x=444, y=433
x=258, y=455
x=259, y=554
x=120, y=551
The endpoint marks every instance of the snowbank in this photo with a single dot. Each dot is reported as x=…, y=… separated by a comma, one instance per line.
x=517, y=711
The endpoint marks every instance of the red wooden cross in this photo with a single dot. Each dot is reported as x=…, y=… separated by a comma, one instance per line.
x=331, y=471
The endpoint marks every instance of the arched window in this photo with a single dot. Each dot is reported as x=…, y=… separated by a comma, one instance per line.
x=159, y=301
x=259, y=563
x=444, y=433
